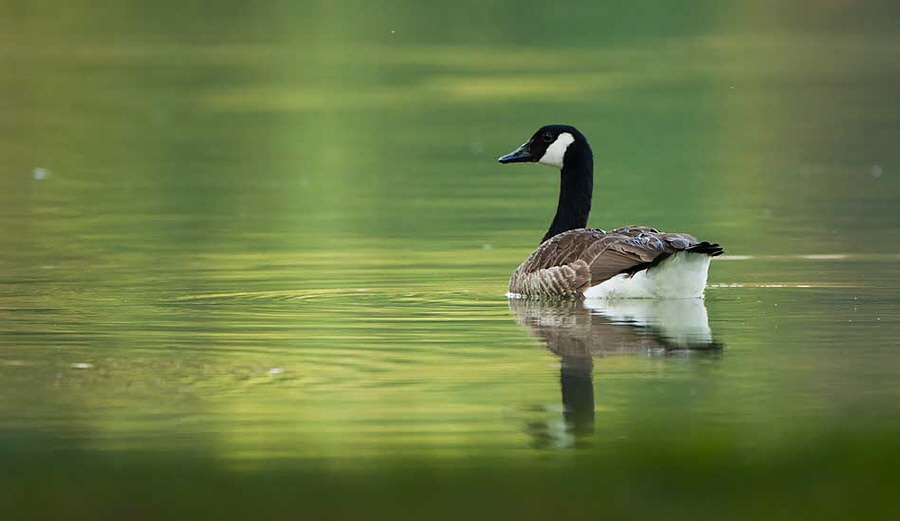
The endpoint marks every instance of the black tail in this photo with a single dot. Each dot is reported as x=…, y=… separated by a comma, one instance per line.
x=710, y=248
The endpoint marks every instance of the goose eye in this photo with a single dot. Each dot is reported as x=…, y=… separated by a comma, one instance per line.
x=547, y=137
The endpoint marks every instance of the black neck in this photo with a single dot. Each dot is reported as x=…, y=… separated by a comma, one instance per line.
x=576, y=183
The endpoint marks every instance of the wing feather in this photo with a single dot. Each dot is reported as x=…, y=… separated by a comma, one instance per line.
x=567, y=264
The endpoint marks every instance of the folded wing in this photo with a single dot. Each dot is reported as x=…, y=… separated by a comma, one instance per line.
x=567, y=264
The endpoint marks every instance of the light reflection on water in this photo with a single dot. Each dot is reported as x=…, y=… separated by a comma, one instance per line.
x=578, y=332
x=398, y=369
x=270, y=237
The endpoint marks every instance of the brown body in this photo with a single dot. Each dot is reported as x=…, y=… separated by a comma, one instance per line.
x=568, y=263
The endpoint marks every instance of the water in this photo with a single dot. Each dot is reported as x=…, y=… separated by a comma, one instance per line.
x=254, y=263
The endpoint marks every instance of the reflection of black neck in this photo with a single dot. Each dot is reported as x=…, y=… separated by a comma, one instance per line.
x=576, y=184
x=576, y=378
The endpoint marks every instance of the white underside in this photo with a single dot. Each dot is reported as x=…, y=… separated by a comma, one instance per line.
x=682, y=275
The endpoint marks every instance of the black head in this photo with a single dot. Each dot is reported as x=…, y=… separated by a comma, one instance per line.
x=548, y=146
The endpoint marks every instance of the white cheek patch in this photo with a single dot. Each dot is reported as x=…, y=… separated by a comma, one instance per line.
x=557, y=150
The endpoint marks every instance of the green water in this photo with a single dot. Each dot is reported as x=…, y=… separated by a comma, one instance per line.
x=254, y=261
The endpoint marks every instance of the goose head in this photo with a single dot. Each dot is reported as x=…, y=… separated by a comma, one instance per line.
x=551, y=145
x=565, y=148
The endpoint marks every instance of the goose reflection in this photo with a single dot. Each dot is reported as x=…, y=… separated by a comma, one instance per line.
x=579, y=332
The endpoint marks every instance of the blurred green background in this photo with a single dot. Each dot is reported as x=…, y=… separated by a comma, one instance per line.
x=254, y=258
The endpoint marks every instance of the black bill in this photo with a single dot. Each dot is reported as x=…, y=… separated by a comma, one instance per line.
x=519, y=155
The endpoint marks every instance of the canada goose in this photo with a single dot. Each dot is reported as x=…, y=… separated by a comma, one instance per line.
x=577, y=262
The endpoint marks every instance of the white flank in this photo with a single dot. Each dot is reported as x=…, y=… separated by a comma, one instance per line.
x=682, y=275
x=557, y=150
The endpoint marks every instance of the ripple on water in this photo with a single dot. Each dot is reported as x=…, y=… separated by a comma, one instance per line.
x=346, y=338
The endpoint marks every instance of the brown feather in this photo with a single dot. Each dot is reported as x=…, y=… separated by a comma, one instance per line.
x=565, y=265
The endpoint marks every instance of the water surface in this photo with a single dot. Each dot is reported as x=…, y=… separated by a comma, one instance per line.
x=255, y=263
